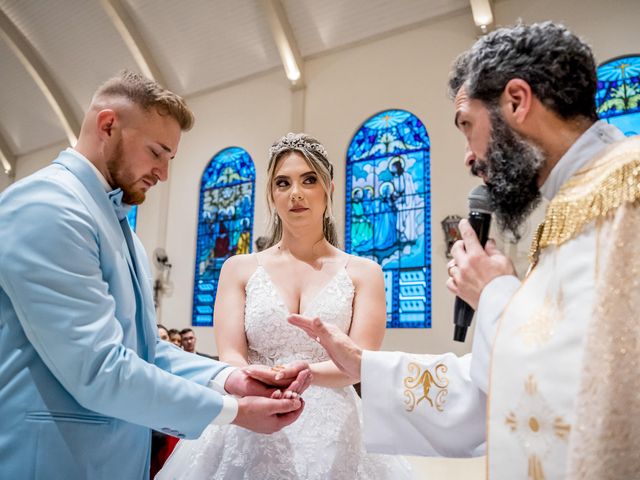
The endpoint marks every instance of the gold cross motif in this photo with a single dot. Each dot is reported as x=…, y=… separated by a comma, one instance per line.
x=537, y=427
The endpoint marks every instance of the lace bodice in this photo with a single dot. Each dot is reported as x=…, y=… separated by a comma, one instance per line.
x=271, y=339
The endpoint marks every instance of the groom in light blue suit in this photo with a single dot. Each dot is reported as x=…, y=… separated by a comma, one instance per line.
x=83, y=376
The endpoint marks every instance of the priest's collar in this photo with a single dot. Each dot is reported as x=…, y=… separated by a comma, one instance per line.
x=589, y=144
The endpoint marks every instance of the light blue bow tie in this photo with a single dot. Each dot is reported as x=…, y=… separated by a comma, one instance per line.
x=121, y=209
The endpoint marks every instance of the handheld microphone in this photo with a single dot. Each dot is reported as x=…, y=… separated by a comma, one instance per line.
x=480, y=220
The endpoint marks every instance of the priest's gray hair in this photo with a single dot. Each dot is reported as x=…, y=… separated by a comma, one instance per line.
x=557, y=65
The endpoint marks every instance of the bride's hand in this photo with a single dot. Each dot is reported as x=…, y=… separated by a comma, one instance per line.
x=292, y=377
x=287, y=394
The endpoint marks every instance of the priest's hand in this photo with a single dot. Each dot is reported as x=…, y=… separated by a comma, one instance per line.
x=343, y=351
x=473, y=267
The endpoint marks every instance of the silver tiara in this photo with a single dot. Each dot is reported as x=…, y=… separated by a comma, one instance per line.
x=292, y=141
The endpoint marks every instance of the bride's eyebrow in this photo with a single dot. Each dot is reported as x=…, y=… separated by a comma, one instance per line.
x=287, y=177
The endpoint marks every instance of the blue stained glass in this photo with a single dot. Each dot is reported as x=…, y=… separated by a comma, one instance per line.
x=388, y=211
x=132, y=217
x=225, y=224
x=618, y=94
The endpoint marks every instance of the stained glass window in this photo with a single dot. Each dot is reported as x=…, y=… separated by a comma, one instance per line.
x=618, y=95
x=388, y=211
x=225, y=224
x=132, y=217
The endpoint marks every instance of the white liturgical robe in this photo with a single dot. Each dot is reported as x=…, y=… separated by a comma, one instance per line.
x=546, y=351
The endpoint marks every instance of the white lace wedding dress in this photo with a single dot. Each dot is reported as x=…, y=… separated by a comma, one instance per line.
x=325, y=442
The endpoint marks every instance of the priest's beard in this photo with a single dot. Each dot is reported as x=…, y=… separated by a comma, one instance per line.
x=122, y=177
x=511, y=168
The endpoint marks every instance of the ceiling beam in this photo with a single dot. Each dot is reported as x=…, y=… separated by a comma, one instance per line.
x=7, y=158
x=34, y=65
x=285, y=41
x=124, y=23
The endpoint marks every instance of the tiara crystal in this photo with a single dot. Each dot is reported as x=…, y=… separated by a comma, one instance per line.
x=293, y=141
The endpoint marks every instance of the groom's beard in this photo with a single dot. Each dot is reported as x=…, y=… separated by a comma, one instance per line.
x=122, y=177
x=511, y=168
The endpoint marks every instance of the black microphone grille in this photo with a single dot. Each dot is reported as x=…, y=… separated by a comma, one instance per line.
x=479, y=200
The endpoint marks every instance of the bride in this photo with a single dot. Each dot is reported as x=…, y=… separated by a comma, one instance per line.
x=301, y=272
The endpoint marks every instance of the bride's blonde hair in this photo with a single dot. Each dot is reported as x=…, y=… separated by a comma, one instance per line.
x=317, y=159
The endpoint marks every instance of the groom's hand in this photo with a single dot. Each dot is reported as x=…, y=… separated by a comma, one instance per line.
x=242, y=384
x=292, y=377
x=263, y=381
x=344, y=352
x=266, y=415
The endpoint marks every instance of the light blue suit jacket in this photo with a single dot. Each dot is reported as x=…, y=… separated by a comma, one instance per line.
x=83, y=376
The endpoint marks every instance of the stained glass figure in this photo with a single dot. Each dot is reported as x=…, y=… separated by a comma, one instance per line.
x=225, y=224
x=132, y=217
x=388, y=211
x=618, y=94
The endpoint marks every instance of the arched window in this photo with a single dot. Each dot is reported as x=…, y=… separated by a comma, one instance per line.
x=618, y=95
x=132, y=217
x=388, y=211
x=225, y=224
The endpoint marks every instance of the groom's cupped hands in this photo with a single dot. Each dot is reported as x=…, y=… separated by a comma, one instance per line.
x=281, y=381
x=292, y=378
x=282, y=384
x=267, y=415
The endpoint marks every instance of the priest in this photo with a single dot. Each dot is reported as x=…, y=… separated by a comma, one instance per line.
x=550, y=390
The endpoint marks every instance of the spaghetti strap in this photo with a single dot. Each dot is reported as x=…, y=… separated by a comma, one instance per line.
x=257, y=257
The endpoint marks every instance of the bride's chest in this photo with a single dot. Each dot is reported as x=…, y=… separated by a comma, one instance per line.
x=265, y=316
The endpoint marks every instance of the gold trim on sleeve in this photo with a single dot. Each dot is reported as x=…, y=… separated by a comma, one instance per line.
x=424, y=381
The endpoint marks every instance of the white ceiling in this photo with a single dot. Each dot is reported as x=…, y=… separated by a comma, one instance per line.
x=197, y=45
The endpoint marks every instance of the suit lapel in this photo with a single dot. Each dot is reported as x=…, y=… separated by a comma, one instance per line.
x=145, y=310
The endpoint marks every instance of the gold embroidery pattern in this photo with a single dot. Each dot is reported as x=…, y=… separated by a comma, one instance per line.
x=560, y=428
x=594, y=192
x=424, y=381
x=539, y=329
x=535, y=468
x=537, y=427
